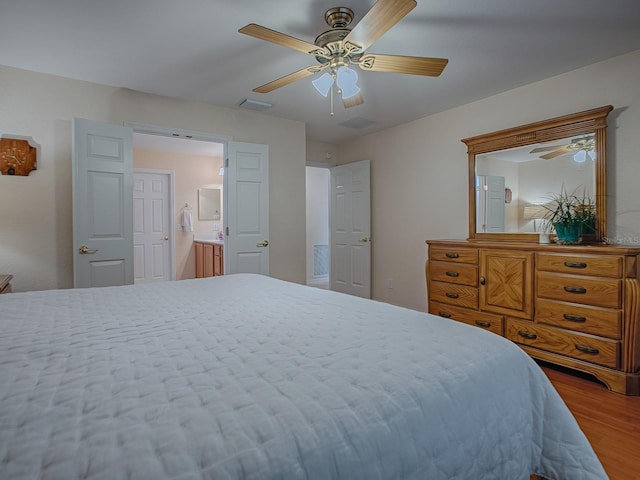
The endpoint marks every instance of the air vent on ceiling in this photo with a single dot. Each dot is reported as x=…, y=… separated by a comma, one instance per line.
x=255, y=105
x=357, y=122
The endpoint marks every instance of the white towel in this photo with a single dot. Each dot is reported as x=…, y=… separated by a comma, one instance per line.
x=187, y=220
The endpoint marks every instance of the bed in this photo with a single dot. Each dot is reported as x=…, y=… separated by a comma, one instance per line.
x=248, y=377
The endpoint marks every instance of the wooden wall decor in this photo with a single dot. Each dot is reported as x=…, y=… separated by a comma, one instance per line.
x=17, y=157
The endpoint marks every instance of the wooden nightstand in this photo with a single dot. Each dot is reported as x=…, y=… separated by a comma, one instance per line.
x=5, y=283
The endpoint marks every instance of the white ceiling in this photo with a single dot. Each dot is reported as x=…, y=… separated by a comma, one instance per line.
x=191, y=49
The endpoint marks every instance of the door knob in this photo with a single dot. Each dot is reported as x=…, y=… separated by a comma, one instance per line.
x=166, y=238
x=263, y=244
x=365, y=239
x=86, y=250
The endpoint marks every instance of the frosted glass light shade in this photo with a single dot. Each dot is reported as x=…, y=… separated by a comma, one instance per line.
x=580, y=156
x=346, y=81
x=323, y=84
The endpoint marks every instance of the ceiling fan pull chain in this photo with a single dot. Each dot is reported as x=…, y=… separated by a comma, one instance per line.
x=331, y=97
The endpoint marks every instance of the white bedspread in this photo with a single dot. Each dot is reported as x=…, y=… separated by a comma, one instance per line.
x=247, y=377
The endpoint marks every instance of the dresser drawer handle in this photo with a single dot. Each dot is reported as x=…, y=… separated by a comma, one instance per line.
x=575, y=264
x=483, y=324
x=527, y=335
x=452, y=274
x=575, y=290
x=589, y=350
x=444, y=314
x=574, y=318
x=451, y=255
x=452, y=295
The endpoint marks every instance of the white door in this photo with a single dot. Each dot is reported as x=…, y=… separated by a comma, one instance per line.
x=102, y=204
x=152, y=239
x=247, y=209
x=350, y=231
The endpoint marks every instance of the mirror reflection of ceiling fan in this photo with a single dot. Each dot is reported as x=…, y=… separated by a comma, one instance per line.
x=340, y=47
x=581, y=148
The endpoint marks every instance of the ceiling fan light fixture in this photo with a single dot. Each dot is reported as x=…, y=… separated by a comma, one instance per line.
x=340, y=46
x=580, y=156
x=346, y=81
x=323, y=84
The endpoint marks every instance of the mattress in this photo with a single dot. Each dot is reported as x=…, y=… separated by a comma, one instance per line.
x=248, y=377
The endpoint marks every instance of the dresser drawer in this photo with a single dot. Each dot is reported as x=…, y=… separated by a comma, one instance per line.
x=460, y=273
x=601, y=292
x=593, y=349
x=598, y=266
x=452, y=294
x=488, y=321
x=595, y=320
x=453, y=254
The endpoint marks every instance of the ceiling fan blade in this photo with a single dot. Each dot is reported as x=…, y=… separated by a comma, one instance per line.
x=382, y=16
x=264, y=33
x=354, y=101
x=287, y=79
x=546, y=149
x=557, y=153
x=431, y=67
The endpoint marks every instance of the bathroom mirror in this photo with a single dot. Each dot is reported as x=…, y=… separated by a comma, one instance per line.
x=513, y=172
x=209, y=205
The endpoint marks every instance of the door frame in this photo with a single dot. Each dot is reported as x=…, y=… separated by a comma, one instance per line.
x=194, y=135
x=170, y=213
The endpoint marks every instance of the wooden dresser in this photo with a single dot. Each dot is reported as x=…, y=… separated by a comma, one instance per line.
x=576, y=306
x=209, y=259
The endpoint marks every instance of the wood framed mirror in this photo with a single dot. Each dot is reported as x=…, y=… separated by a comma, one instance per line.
x=514, y=172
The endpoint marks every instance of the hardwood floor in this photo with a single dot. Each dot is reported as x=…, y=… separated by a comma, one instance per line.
x=610, y=421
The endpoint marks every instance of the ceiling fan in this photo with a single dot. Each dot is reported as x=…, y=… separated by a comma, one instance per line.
x=580, y=147
x=338, y=48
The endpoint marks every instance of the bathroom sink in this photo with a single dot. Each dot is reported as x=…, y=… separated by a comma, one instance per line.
x=206, y=237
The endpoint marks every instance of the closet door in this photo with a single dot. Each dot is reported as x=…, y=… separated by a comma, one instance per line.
x=102, y=204
x=247, y=208
x=350, y=229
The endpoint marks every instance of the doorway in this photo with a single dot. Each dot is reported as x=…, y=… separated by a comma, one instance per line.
x=339, y=227
x=195, y=165
x=317, y=197
x=102, y=163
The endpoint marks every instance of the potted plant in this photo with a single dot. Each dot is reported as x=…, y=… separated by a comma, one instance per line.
x=571, y=215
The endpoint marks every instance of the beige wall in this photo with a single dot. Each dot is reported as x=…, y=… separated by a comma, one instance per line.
x=321, y=153
x=419, y=170
x=35, y=211
x=190, y=173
